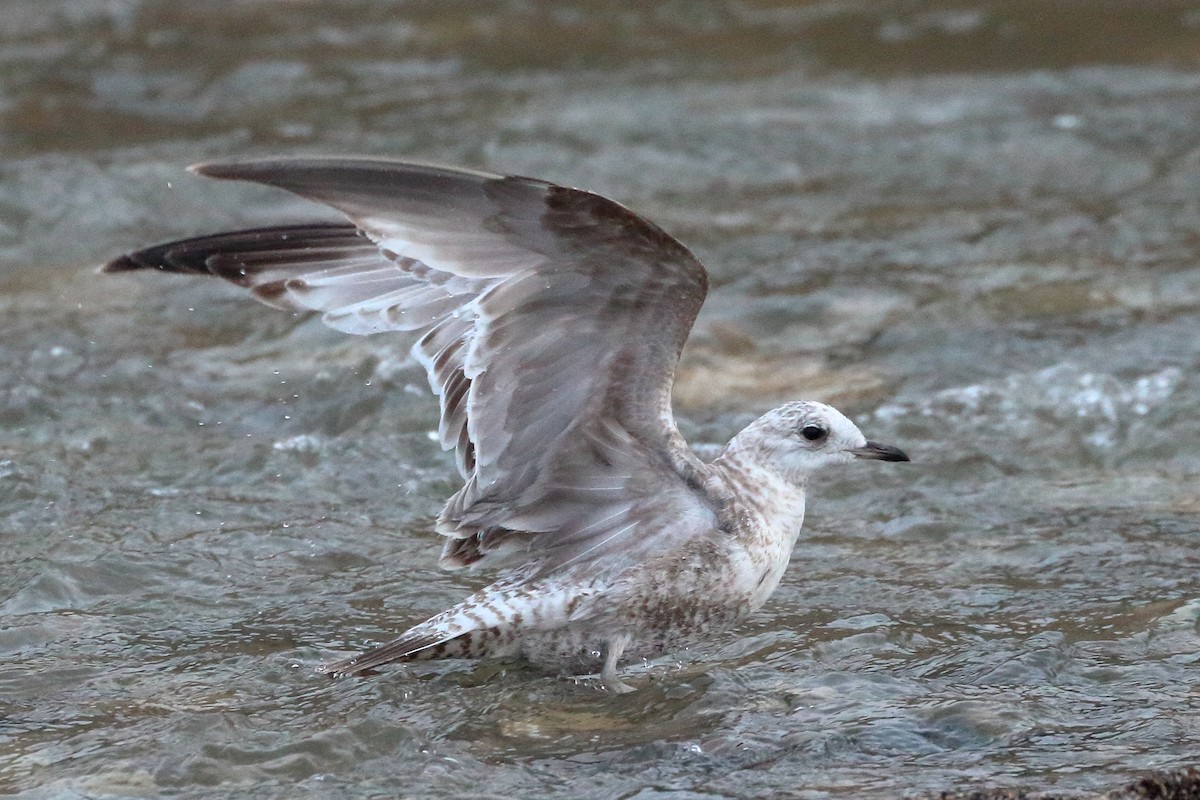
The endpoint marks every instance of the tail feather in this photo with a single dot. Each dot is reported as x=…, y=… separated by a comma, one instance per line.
x=493, y=622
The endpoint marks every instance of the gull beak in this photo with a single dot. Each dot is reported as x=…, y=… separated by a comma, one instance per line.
x=880, y=452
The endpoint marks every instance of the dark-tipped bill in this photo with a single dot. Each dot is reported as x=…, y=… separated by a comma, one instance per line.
x=880, y=452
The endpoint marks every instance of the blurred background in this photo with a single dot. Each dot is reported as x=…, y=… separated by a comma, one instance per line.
x=971, y=225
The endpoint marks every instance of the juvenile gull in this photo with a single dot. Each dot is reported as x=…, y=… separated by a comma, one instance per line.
x=552, y=322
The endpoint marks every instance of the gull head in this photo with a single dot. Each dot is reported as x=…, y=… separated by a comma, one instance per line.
x=800, y=438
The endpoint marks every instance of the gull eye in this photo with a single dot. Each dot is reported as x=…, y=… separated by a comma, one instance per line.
x=813, y=432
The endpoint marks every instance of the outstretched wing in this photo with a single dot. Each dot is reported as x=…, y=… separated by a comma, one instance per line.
x=553, y=319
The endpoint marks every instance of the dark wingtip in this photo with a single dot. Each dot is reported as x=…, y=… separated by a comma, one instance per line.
x=129, y=263
x=241, y=169
x=271, y=170
x=220, y=169
x=337, y=669
x=348, y=668
x=216, y=169
x=122, y=264
x=284, y=171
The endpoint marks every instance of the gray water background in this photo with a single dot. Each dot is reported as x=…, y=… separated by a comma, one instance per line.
x=973, y=226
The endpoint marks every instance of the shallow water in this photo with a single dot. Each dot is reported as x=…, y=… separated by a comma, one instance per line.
x=971, y=226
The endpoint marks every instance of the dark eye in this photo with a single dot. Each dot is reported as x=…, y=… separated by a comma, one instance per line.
x=813, y=432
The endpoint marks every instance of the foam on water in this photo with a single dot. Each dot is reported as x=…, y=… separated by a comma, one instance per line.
x=1096, y=407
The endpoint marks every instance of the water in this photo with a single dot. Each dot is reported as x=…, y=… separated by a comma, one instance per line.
x=972, y=227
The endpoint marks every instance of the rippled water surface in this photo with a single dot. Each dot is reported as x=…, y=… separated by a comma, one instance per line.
x=972, y=226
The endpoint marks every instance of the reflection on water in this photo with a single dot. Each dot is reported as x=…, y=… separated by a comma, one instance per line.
x=972, y=227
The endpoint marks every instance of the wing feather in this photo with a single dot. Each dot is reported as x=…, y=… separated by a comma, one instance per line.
x=553, y=319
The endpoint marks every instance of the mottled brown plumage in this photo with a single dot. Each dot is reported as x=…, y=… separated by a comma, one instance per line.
x=552, y=322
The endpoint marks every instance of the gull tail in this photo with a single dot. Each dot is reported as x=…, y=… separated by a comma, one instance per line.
x=489, y=623
x=479, y=626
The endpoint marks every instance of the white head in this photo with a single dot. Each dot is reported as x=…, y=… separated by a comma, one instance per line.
x=799, y=438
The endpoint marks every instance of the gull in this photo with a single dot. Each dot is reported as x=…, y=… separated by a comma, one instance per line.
x=551, y=323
